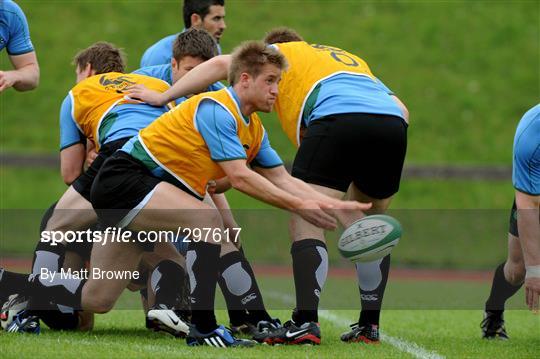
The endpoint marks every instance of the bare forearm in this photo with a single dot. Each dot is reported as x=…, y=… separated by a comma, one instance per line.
x=262, y=189
x=198, y=79
x=26, y=78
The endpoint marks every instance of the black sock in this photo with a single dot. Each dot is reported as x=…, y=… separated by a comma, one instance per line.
x=372, y=278
x=57, y=320
x=57, y=290
x=48, y=257
x=310, y=267
x=501, y=290
x=165, y=283
x=240, y=289
x=203, y=262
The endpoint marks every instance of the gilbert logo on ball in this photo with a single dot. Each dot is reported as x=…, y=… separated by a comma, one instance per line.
x=370, y=238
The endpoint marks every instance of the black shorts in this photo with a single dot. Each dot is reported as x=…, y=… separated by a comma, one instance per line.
x=120, y=186
x=83, y=183
x=365, y=149
x=513, y=225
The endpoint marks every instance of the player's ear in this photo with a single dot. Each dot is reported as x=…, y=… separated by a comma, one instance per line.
x=89, y=70
x=174, y=63
x=244, y=79
x=196, y=20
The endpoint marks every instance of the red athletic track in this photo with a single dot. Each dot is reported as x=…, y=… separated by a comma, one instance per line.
x=24, y=264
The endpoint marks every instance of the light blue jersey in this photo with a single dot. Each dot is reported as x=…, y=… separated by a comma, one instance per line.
x=122, y=121
x=14, y=33
x=345, y=93
x=161, y=52
x=164, y=73
x=218, y=129
x=526, y=156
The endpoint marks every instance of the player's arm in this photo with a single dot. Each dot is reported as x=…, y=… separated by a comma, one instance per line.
x=282, y=179
x=195, y=81
x=269, y=165
x=72, y=144
x=529, y=237
x=25, y=76
x=254, y=185
x=71, y=162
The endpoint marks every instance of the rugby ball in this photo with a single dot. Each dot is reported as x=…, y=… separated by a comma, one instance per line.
x=13, y=306
x=370, y=238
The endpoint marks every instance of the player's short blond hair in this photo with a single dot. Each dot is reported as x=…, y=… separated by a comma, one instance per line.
x=102, y=56
x=282, y=34
x=251, y=56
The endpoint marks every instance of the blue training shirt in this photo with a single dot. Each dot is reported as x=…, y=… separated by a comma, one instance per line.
x=160, y=53
x=346, y=93
x=120, y=122
x=14, y=33
x=218, y=129
x=526, y=154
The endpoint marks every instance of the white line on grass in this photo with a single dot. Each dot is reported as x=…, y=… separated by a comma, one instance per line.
x=400, y=344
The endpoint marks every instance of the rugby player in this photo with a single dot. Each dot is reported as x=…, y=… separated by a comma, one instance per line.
x=210, y=15
x=15, y=37
x=332, y=108
x=523, y=261
x=239, y=281
x=205, y=14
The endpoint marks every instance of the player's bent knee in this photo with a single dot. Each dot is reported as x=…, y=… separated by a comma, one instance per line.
x=514, y=272
x=97, y=301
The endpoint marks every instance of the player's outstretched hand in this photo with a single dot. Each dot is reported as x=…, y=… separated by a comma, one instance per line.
x=144, y=94
x=350, y=205
x=313, y=212
x=532, y=293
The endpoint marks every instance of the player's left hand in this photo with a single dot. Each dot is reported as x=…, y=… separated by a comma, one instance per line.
x=532, y=293
x=7, y=80
x=144, y=94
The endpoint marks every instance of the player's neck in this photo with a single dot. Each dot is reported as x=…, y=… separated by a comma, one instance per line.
x=245, y=105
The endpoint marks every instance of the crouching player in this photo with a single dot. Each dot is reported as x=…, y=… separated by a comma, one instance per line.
x=332, y=108
x=523, y=262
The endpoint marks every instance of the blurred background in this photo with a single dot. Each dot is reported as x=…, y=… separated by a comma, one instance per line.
x=467, y=71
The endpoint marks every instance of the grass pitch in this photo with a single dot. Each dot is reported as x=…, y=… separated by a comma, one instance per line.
x=415, y=332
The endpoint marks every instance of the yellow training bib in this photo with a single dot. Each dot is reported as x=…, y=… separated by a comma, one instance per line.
x=95, y=96
x=308, y=66
x=175, y=144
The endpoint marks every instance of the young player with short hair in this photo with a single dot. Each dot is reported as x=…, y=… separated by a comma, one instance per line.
x=332, y=108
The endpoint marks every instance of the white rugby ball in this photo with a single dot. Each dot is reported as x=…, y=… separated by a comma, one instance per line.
x=370, y=238
x=15, y=304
